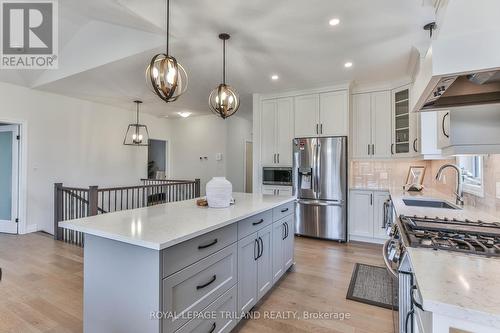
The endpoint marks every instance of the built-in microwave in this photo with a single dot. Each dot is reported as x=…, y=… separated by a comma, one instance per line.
x=277, y=176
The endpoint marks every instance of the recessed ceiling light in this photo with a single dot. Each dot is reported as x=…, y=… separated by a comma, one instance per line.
x=184, y=114
x=334, y=22
x=275, y=77
x=348, y=64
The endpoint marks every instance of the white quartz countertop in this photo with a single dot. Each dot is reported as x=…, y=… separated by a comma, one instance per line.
x=161, y=226
x=467, y=212
x=458, y=285
x=452, y=284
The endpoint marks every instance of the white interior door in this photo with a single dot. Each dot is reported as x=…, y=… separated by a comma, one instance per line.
x=9, y=180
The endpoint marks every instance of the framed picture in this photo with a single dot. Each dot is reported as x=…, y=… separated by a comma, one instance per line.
x=415, y=175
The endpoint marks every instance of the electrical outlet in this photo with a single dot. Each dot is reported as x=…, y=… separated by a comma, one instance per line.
x=383, y=176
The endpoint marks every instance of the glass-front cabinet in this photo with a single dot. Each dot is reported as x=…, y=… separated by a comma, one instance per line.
x=405, y=141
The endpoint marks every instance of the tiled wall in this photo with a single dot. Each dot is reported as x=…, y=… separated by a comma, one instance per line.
x=490, y=203
x=384, y=174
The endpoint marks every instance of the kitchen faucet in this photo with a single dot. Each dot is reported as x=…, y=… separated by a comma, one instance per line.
x=459, y=192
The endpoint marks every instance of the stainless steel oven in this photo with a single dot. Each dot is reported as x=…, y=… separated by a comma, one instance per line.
x=277, y=176
x=399, y=266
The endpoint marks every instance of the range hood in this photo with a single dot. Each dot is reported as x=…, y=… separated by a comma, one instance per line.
x=464, y=90
x=462, y=66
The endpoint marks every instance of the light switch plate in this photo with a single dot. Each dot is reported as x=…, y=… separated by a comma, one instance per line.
x=498, y=189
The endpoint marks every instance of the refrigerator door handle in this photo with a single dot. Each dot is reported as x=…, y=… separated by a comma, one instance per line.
x=318, y=169
x=321, y=203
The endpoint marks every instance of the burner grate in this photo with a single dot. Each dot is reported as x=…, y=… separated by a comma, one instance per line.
x=461, y=236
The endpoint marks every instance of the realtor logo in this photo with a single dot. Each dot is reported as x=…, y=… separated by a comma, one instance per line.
x=29, y=34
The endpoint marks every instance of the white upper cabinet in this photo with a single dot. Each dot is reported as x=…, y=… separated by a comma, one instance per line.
x=429, y=135
x=405, y=140
x=323, y=114
x=268, y=132
x=362, y=125
x=284, y=131
x=277, y=132
x=306, y=115
x=334, y=113
x=381, y=124
x=372, y=125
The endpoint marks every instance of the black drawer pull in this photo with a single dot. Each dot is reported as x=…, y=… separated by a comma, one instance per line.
x=259, y=222
x=201, y=247
x=208, y=283
x=214, y=325
x=284, y=210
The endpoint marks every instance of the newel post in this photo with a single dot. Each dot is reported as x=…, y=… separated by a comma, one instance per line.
x=197, y=188
x=58, y=210
x=93, y=200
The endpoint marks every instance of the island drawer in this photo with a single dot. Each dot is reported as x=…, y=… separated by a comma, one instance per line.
x=184, y=254
x=253, y=223
x=224, y=309
x=195, y=287
x=283, y=210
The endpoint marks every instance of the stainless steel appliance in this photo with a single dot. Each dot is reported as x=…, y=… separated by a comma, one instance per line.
x=462, y=90
x=470, y=237
x=277, y=176
x=320, y=185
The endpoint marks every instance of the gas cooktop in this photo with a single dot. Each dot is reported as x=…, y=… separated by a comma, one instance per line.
x=474, y=237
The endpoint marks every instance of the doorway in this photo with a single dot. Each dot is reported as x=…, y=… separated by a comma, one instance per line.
x=9, y=178
x=157, y=159
x=248, y=166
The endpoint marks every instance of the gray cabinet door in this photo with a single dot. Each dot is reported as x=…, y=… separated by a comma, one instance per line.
x=278, y=255
x=288, y=242
x=247, y=272
x=265, y=262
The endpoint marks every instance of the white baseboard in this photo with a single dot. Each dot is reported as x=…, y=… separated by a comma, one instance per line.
x=366, y=239
x=31, y=228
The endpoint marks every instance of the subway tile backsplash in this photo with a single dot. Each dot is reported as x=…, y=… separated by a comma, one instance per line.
x=384, y=174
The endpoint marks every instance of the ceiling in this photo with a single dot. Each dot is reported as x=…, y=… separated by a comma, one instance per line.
x=105, y=45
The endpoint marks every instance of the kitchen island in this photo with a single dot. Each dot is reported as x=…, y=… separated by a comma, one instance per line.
x=177, y=267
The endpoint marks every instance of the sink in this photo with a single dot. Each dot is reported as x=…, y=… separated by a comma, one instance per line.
x=431, y=203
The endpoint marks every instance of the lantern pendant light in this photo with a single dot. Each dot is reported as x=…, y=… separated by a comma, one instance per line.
x=224, y=100
x=137, y=134
x=165, y=76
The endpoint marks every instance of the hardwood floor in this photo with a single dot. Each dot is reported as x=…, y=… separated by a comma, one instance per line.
x=42, y=283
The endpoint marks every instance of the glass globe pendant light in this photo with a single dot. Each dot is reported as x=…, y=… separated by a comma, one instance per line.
x=224, y=100
x=137, y=134
x=165, y=76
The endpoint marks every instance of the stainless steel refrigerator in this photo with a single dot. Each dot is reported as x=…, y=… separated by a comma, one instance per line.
x=320, y=184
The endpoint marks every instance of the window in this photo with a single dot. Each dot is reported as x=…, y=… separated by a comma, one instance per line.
x=472, y=169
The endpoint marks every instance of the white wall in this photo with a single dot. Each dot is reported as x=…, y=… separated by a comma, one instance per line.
x=79, y=143
x=239, y=131
x=205, y=136
x=75, y=142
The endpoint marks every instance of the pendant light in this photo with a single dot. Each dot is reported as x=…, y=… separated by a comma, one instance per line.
x=165, y=76
x=137, y=134
x=224, y=100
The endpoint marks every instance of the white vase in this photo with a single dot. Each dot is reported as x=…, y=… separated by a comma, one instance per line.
x=219, y=192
